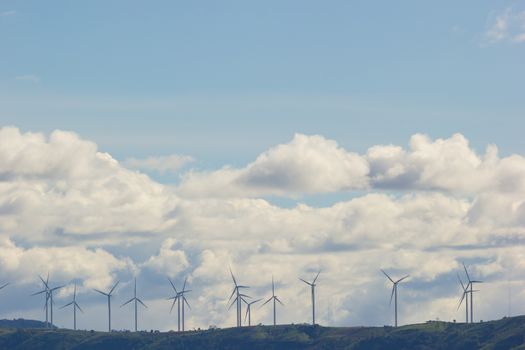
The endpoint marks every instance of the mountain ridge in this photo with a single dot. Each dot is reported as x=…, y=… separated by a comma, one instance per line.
x=507, y=333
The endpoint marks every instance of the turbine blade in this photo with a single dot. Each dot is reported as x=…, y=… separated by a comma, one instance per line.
x=315, y=279
x=255, y=301
x=101, y=292
x=52, y=290
x=399, y=280
x=173, y=304
x=71, y=303
x=280, y=302
x=78, y=306
x=308, y=283
x=231, y=296
x=468, y=277
x=246, y=315
x=392, y=295
x=5, y=285
x=391, y=280
x=184, y=285
x=461, y=282
x=127, y=302
x=112, y=289
x=187, y=304
x=233, y=302
x=172, y=285
x=44, y=282
x=461, y=300
x=140, y=301
x=43, y=291
x=476, y=281
x=233, y=277
x=266, y=302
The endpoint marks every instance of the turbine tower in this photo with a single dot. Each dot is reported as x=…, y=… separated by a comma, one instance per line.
x=108, y=295
x=179, y=297
x=184, y=301
x=394, y=293
x=136, y=300
x=274, y=298
x=249, y=310
x=471, y=284
x=75, y=307
x=312, y=287
x=237, y=299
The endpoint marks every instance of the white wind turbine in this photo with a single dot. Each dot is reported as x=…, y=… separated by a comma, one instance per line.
x=274, y=298
x=49, y=298
x=136, y=300
x=237, y=299
x=394, y=293
x=249, y=310
x=312, y=287
x=75, y=307
x=179, y=297
x=471, y=284
x=108, y=295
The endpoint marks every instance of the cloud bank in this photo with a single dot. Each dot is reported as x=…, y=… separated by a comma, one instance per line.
x=71, y=210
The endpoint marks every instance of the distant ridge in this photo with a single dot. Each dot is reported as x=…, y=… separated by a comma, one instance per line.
x=504, y=334
x=22, y=323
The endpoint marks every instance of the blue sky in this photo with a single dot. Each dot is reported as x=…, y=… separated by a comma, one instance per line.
x=168, y=138
x=224, y=81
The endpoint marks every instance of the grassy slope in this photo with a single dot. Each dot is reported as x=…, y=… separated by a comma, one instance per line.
x=502, y=334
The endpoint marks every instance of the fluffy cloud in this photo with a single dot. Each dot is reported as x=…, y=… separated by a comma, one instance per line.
x=443, y=164
x=74, y=211
x=96, y=268
x=308, y=164
x=313, y=164
x=62, y=184
x=169, y=261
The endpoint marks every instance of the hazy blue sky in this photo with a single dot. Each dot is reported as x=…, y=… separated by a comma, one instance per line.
x=222, y=81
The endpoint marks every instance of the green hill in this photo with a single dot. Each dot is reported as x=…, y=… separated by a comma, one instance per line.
x=507, y=333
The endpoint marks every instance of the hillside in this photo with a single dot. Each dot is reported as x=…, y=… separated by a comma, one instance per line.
x=507, y=333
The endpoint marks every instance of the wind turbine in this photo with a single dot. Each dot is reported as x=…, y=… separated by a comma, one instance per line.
x=108, y=294
x=45, y=290
x=394, y=292
x=179, y=297
x=312, y=286
x=274, y=298
x=75, y=307
x=238, y=300
x=136, y=300
x=471, y=284
x=238, y=296
x=464, y=295
x=49, y=297
x=176, y=298
x=249, y=310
